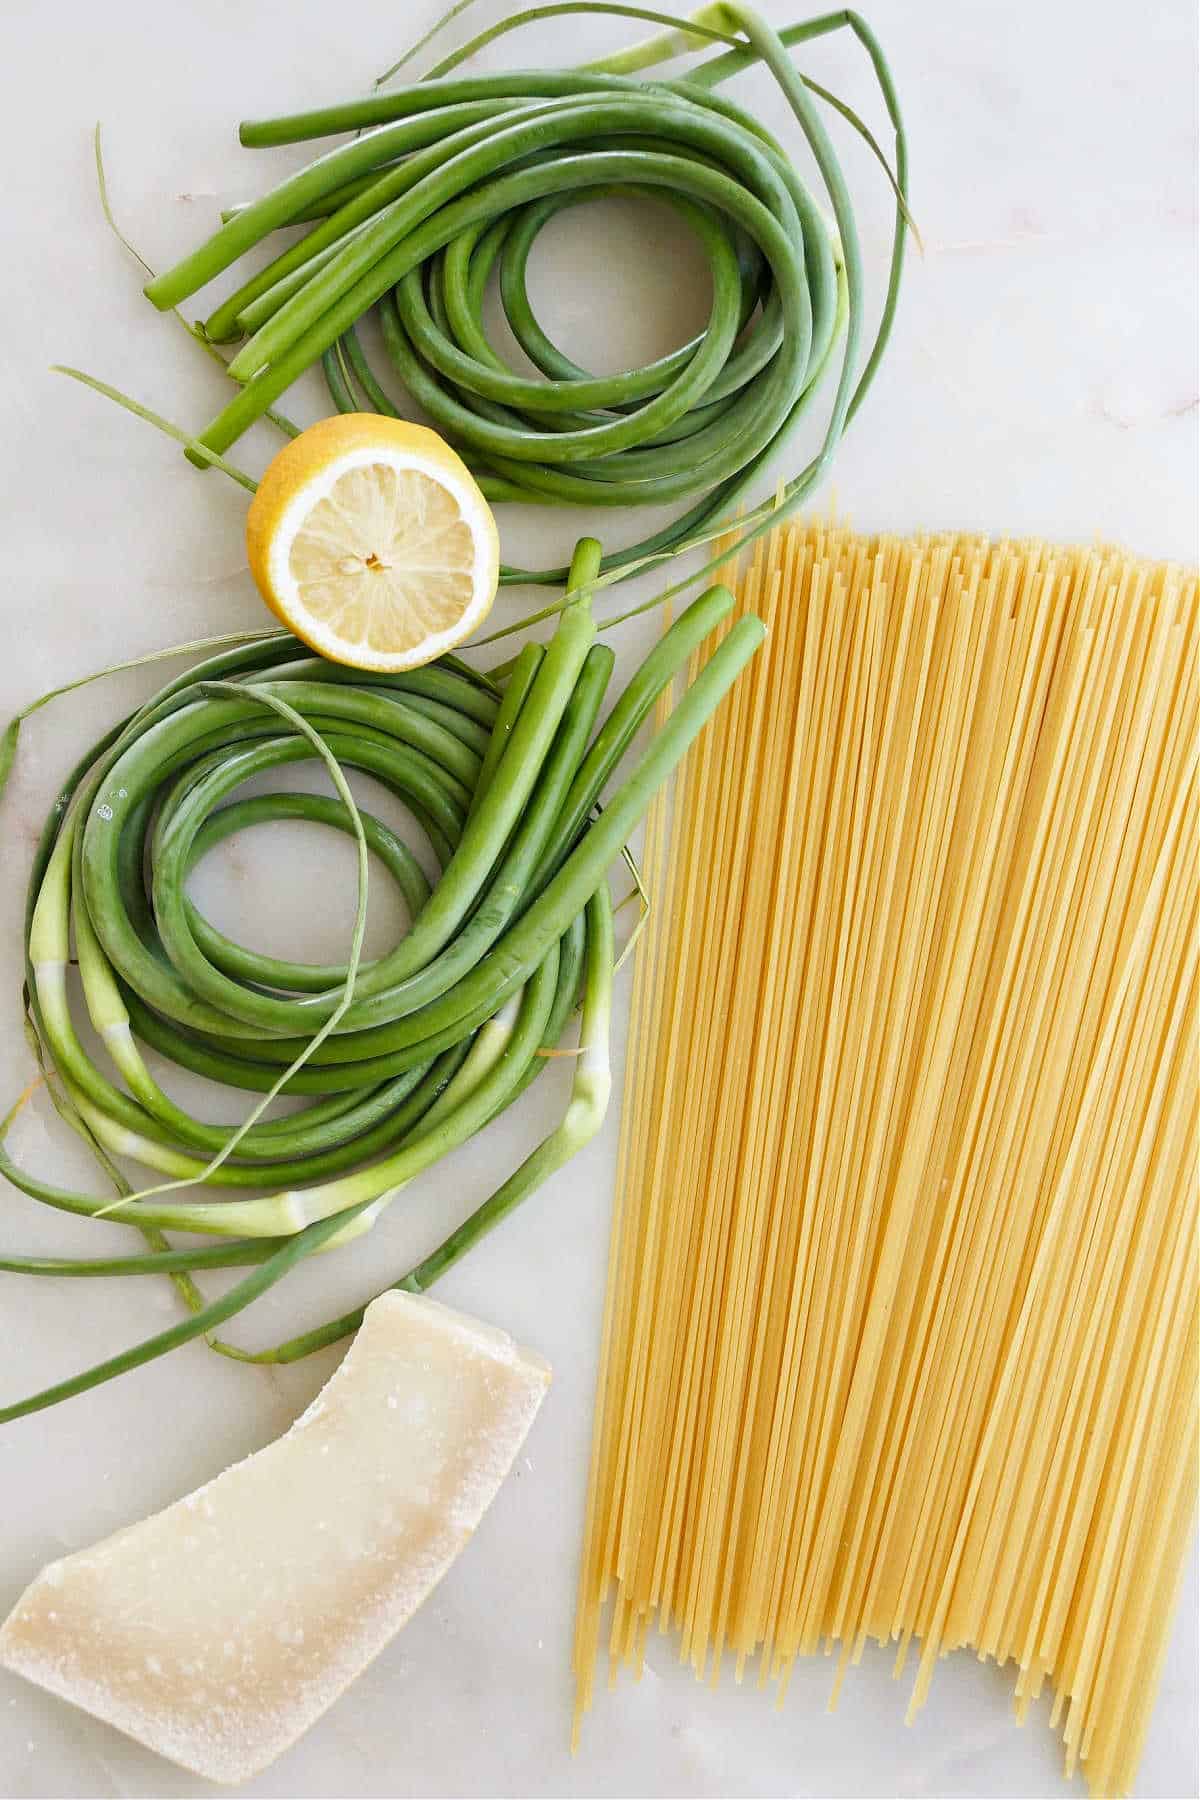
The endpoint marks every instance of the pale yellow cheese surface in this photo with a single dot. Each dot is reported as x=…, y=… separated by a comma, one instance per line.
x=217, y=1631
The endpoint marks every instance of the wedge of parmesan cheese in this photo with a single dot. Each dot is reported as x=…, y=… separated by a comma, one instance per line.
x=217, y=1631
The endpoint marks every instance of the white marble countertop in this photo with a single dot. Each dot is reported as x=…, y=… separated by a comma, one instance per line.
x=1042, y=379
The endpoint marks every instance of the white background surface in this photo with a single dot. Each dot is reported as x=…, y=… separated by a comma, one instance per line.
x=1042, y=379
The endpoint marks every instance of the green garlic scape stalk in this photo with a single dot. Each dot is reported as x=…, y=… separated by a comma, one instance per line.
x=452, y=177
x=403, y=1057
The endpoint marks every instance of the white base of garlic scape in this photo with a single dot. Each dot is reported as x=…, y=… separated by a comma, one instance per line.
x=217, y=1631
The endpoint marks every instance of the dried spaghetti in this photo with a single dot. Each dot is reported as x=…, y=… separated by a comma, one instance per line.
x=901, y=1334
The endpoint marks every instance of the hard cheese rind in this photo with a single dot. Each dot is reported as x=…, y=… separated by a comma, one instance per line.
x=217, y=1631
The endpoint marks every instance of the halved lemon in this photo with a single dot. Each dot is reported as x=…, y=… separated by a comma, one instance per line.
x=369, y=538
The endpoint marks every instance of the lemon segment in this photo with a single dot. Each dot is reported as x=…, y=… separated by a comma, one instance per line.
x=369, y=538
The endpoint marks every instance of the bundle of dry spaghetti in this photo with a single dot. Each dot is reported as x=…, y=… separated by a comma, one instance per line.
x=901, y=1331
